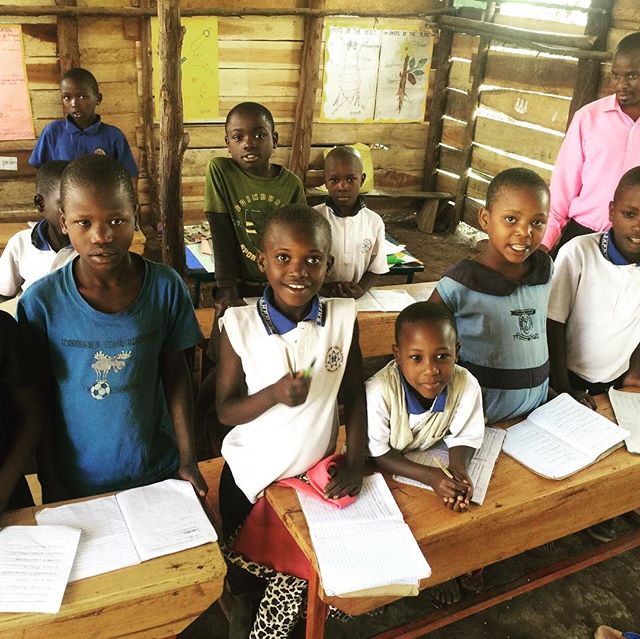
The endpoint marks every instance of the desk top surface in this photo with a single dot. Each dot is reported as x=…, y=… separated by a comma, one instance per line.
x=156, y=598
x=521, y=511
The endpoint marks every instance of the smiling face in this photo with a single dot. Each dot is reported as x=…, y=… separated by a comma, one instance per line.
x=79, y=101
x=426, y=354
x=343, y=178
x=515, y=226
x=625, y=79
x=251, y=141
x=100, y=223
x=624, y=214
x=295, y=261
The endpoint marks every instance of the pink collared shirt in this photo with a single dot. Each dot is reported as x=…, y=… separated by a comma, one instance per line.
x=601, y=144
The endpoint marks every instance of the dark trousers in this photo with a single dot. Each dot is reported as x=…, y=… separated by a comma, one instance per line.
x=21, y=496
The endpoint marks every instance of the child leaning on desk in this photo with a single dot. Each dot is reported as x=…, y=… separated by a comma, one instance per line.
x=113, y=328
x=283, y=363
x=499, y=298
x=357, y=232
x=33, y=253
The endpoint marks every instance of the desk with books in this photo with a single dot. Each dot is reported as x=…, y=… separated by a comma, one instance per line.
x=521, y=511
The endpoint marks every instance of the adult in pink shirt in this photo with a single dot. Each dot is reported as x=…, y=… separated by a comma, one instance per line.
x=601, y=144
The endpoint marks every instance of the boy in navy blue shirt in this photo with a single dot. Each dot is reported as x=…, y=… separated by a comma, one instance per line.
x=82, y=132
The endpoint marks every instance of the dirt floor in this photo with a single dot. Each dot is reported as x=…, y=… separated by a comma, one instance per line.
x=569, y=609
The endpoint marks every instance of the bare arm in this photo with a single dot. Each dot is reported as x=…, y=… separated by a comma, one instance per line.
x=179, y=393
x=632, y=376
x=369, y=280
x=436, y=299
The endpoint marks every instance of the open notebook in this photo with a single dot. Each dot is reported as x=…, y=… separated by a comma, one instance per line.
x=562, y=437
x=626, y=407
x=480, y=467
x=133, y=526
x=364, y=546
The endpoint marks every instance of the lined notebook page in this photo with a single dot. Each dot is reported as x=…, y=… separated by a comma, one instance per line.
x=626, y=407
x=480, y=467
x=365, y=545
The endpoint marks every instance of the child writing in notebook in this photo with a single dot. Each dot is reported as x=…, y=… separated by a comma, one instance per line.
x=283, y=363
x=357, y=232
x=33, y=253
x=499, y=298
x=113, y=328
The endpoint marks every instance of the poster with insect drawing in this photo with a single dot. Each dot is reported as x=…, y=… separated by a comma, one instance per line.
x=403, y=75
x=350, y=74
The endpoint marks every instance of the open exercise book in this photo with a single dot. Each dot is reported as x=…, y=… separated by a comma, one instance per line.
x=626, y=407
x=480, y=467
x=364, y=546
x=562, y=437
x=133, y=526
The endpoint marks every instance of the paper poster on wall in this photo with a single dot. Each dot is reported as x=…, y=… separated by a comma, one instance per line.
x=16, y=122
x=350, y=74
x=403, y=75
x=199, y=62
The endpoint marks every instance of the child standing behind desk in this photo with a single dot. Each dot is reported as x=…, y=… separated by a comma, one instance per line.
x=499, y=298
x=282, y=364
x=33, y=253
x=113, y=327
x=82, y=132
x=357, y=232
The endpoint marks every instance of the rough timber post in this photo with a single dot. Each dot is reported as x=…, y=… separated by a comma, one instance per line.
x=67, y=30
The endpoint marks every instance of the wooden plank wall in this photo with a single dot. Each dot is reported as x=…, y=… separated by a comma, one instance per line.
x=524, y=105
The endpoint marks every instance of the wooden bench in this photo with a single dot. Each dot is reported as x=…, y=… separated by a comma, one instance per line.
x=428, y=202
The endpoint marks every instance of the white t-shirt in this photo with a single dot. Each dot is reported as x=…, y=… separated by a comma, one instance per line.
x=599, y=302
x=466, y=425
x=287, y=440
x=21, y=263
x=357, y=244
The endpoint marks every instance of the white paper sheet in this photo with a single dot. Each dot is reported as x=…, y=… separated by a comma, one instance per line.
x=365, y=545
x=480, y=467
x=387, y=300
x=164, y=518
x=390, y=247
x=35, y=562
x=626, y=407
x=105, y=542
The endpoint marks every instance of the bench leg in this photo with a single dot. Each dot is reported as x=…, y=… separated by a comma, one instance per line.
x=316, y=609
x=426, y=217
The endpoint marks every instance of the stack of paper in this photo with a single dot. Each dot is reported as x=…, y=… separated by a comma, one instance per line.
x=562, y=437
x=626, y=407
x=133, y=526
x=480, y=467
x=34, y=567
x=384, y=300
x=366, y=545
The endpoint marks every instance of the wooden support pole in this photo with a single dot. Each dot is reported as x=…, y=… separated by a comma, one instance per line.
x=479, y=66
x=309, y=73
x=437, y=107
x=585, y=89
x=173, y=139
x=67, y=36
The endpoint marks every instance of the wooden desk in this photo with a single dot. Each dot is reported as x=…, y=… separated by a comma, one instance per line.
x=521, y=511
x=157, y=598
x=9, y=229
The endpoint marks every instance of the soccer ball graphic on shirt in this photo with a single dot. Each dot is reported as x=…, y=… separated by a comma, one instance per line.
x=102, y=366
x=100, y=390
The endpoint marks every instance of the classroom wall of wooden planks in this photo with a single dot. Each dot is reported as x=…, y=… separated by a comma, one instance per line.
x=259, y=59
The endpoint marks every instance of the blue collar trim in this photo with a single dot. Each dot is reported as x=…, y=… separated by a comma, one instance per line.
x=276, y=323
x=39, y=236
x=610, y=251
x=415, y=403
x=72, y=128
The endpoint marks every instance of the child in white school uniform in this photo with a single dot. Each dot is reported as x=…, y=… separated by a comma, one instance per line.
x=357, y=232
x=282, y=364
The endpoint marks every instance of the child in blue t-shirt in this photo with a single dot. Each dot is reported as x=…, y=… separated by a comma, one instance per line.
x=113, y=327
x=82, y=132
x=499, y=298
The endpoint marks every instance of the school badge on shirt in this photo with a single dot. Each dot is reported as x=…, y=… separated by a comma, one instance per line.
x=103, y=365
x=333, y=360
x=525, y=324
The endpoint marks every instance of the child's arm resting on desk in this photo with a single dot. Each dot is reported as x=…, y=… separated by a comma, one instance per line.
x=347, y=479
x=178, y=391
x=632, y=376
x=354, y=290
x=233, y=404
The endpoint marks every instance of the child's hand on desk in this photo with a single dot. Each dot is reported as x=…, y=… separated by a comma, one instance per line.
x=346, y=480
x=352, y=289
x=462, y=505
x=291, y=390
x=630, y=379
x=191, y=473
x=455, y=492
x=583, y=397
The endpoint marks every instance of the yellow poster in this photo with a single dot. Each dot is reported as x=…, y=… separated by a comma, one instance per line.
x=199, y=60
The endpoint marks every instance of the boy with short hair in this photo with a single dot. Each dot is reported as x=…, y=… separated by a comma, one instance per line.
x=82, y=132
x=422, y=397
x=33, y=253
x=113, y=327
x=499, y=298
x=238, y=192
x=357, y=232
